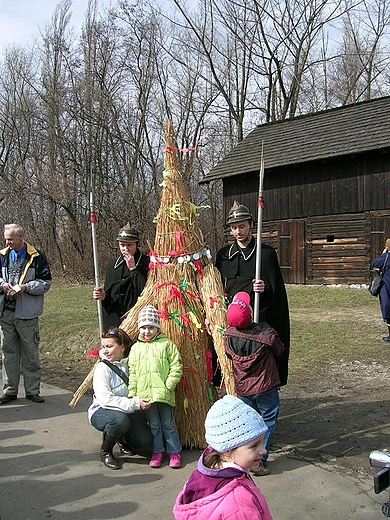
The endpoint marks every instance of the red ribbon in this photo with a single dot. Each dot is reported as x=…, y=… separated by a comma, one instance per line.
x=157, y=263
x=184, y=380
x=179, y=241
x=91, y=353
x=185, y=150
x=260, y=202
x=209, y=365
x=185, y=320
x=93, y=217
x=213, y=300
x=163, y=314
x=199, y=268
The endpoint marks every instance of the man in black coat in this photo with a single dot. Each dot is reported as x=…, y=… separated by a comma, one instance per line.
x=237, y=265
x=125, y=278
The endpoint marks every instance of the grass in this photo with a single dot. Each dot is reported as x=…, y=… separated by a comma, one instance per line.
x=328, y=325
x=334, y=325
x=69, y=329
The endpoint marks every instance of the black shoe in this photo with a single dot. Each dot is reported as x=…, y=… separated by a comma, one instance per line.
x=386, y=338
x=124, y=448
x=35, y=398
x=109, y=460
x=6, y=398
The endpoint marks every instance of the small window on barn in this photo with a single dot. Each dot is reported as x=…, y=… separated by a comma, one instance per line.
x=330, y=238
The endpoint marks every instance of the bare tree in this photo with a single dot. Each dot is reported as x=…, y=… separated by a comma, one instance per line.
x=360, y=64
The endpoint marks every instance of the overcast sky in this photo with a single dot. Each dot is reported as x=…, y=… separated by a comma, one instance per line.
x=21, y=20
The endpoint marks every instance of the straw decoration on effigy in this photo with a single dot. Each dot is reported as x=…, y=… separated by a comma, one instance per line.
x=211, y=293
x=186, y=288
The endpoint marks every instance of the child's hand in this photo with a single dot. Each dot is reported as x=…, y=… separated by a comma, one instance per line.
x=144, y=404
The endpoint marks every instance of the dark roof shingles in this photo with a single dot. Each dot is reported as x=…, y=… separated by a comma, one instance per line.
x=341, y=131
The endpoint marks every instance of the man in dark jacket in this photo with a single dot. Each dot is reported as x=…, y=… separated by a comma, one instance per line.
x=237, y=265
x=25, y=278
x=125, y=278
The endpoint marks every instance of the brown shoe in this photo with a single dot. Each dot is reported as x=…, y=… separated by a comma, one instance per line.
x=261, y=471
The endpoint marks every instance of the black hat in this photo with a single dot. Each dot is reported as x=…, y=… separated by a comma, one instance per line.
x=238, y=212
x=128, y=234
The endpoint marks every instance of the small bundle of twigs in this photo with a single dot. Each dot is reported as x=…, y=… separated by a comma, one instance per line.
x=84, y=387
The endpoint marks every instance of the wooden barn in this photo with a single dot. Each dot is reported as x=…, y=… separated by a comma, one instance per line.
x=326, y=190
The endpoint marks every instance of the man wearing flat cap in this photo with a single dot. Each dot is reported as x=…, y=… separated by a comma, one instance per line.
x=237, y=265
x=125, y=278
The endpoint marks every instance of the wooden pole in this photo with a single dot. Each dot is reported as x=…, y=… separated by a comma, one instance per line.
x=260, y=206
x=93, y=221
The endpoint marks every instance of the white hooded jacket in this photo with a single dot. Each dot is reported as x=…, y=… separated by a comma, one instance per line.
x=110, y=391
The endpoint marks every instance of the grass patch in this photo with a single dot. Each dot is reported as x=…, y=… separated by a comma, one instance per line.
x=334, y=325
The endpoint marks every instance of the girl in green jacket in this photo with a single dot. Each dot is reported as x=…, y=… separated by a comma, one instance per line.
x=155, y=368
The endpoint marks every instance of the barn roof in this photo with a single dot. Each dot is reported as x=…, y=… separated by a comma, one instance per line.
x=340, y=131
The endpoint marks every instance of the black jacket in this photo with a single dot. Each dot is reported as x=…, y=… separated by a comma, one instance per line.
x=122, y=288
x=237, y=267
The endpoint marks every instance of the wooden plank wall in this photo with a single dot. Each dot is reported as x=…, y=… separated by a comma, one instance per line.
x=342, y=205
x=334, y=186
x=337, y=249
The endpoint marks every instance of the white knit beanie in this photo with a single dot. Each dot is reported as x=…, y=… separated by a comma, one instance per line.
x=148, y=316
x=231, y=423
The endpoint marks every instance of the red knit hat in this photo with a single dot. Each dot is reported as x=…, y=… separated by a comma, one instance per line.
x=239, y=312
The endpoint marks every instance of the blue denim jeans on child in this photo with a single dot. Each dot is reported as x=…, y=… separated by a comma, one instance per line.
x=162, y=424
x=267, y=405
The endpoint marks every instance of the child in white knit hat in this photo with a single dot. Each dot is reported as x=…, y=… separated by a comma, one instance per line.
x=221, y=486
x=155, y=368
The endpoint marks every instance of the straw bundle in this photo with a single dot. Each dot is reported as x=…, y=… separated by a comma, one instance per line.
x=211, y=293
x=185, y=287
x=84, y=387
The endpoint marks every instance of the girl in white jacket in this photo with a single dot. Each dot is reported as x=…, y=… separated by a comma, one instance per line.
x=112, y=412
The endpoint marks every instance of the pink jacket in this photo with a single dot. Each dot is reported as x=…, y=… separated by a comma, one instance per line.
x=237, y=499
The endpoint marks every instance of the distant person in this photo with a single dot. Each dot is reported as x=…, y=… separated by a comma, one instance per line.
x=254, y=349
x=112, y=411
x=155, y=369
x=25, y=278
x=237, y=265
x=125, y=278
x=221, y=486
x=382, y=263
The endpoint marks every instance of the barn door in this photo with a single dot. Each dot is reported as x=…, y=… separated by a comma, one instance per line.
x=380, y=231
x=291, y=250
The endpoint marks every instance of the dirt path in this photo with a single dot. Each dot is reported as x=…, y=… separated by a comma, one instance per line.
x=338, y=417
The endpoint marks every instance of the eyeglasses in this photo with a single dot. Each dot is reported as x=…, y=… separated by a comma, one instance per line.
x=113, y=332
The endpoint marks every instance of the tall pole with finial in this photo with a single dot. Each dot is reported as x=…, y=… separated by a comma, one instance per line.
x=260, y=207
x=93, y=221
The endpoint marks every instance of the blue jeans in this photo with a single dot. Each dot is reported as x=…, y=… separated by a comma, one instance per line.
x=267, y=405
x=162, y=424
x=132, y=427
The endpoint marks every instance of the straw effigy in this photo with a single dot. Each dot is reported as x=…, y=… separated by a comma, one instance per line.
x=186, y=288
x=176, y=259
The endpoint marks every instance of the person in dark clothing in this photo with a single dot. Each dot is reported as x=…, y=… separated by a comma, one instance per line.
x=237, y=265
x=382, y=263
x=125, y=278
x=254, y=349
